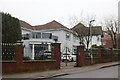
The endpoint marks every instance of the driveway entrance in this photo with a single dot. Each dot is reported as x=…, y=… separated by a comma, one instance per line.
x=68, y=64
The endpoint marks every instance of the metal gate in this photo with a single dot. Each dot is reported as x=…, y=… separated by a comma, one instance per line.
x=42, y=52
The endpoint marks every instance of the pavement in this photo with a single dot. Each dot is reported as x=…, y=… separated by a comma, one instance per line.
x=63, y=71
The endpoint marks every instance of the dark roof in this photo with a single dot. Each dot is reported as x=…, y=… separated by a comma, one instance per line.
x=83, y=30
x=80, y=29
x=97, y=30
x=51, y=25
x=25, y=24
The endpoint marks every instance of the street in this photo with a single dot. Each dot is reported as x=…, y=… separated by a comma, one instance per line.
x=68, y=72
x=109, y=72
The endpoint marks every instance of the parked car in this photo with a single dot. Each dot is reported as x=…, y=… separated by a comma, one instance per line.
x=70, y=57
x=43, y=55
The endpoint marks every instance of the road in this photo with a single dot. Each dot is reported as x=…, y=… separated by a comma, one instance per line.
x=109, y=72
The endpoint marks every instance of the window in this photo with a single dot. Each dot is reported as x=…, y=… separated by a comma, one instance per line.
x=36, y=35
x=67, y=36
x=47, y=35
x=98, y=39
x=26, y=36
x=74, y=38
x=55, y=38
x=33, y=35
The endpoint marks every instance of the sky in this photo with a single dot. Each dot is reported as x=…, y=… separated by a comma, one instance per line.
x=38, y=12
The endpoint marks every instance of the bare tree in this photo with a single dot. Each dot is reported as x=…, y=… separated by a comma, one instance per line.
x=112, y=28
x=83, y=33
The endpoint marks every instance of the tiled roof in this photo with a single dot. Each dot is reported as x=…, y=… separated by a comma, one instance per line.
x=83, y=30
x=97, y=30
x=51, y=25
x=80, y=29
x=25, y=25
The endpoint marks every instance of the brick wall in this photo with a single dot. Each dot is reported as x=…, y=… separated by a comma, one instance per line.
x=24, y=66
x=100, y=56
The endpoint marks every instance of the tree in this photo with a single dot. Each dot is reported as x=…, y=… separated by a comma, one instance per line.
x=11, y=30
x=112, y=28
x=82, y=31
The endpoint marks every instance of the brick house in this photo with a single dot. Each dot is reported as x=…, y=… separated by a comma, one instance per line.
x=107, y=42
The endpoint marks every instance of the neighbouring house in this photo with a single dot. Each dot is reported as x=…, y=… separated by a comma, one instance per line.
x=84, y=31
x=39, y=38
x=107, y=41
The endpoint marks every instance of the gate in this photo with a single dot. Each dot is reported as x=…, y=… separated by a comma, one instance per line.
x=43, y=52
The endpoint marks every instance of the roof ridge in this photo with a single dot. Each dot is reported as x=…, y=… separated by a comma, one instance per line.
x=25, y=24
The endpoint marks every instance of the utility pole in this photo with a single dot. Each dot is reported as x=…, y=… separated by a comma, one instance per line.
x=66, y=55
x=90, y=25
x=66, y=48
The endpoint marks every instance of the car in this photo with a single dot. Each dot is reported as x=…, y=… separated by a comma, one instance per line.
x=69, y=57
x=43, y=55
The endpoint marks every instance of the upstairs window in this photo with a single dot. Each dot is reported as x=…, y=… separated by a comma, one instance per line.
x=26, y=36
x=36, y=35
x=98, y=38
x=68, y=36
x=55, y=38
x=47, y=35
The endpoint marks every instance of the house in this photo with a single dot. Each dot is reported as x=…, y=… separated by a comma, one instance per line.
x=107, y=41
x=39, y=37
x=34, y=41
x=84, y=32
x=65, y=36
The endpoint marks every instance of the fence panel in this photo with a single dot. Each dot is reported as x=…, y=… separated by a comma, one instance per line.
x=105, y=53
x=8, y=51
x=116, y=52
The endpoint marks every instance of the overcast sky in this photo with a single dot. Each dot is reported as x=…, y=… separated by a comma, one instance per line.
x=37, y=12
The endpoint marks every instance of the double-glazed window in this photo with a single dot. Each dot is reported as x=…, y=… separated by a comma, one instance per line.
x=42, y=35
x=47, y=35
x=36, y=35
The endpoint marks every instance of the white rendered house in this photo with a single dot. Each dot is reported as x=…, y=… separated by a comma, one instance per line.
x=37, y=38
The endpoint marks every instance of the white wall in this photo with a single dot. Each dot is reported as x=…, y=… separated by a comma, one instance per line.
x=62, y=39
x=95, y=40
x=27, y=49
x=61, y=33
x=26, y=31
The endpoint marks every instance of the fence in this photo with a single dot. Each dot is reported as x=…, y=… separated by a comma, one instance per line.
x=13, y=59
x=8, y=51
x=100, y=55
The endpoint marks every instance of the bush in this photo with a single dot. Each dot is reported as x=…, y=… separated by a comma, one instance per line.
x=26, y=58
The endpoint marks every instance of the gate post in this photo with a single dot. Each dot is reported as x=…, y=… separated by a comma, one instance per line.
x=99, y=55
x=18, y=53
x=111, y=54
x=80, y=56
x=56, y=53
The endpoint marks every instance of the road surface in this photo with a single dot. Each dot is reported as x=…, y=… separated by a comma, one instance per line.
x=109, y=72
